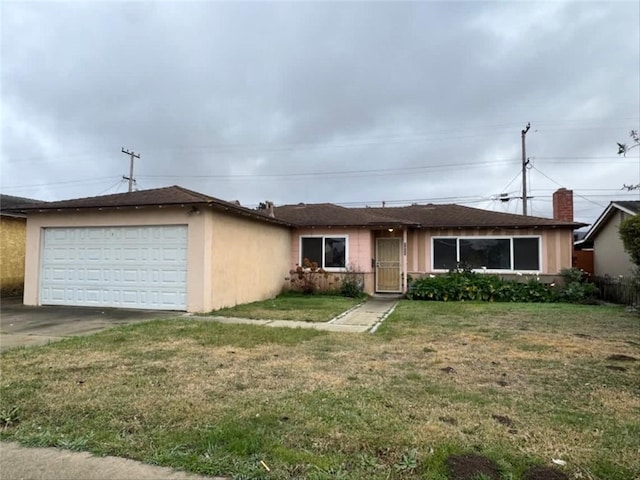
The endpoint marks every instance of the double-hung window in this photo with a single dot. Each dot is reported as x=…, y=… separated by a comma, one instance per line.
x=327, y=252
x=490, y=253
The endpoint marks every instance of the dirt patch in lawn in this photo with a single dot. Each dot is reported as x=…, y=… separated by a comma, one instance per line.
x=470, y=467
x=622, y=358
x=544, y=473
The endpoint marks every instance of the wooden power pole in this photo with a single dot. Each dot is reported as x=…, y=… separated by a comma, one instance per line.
x=130, y=177
x=524, y=170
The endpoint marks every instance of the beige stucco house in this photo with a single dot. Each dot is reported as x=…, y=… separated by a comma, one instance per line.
x=175, y=249
x=609, y=256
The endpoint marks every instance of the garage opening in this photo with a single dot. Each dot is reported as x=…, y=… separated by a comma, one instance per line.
x=141, y=267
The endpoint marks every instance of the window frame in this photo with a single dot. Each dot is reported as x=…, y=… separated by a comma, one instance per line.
x=489, y=237
x=345, y=237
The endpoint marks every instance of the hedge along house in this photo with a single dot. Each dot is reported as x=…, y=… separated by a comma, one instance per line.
x=167, y=248
x=387, y=245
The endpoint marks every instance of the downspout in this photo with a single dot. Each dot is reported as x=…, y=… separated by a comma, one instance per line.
x=404, y=260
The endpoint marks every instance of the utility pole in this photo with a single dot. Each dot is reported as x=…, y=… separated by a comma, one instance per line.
x=130, y=177
x=525, y=162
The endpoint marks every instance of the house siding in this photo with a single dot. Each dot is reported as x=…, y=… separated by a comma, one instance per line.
x=359, y=246
x=12, y=254
x=360, y=251
x=250, y=260
x=609, y=255
x=556, y=246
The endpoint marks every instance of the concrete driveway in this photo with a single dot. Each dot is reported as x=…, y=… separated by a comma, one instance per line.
x=27, y=326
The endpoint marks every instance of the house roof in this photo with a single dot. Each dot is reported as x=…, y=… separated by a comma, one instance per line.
x=167, y=196
x=310, y=215
x=417, y=216
x=630, y=207
x=457, y=216
x=330, y=215
x=10, y=205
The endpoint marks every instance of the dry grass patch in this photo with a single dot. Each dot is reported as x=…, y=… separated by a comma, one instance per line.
x=293, y=306
x=515, y=384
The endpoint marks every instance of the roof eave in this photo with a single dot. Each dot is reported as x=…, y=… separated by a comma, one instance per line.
x=211, y=203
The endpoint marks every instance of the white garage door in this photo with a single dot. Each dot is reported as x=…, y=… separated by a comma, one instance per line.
x=127, y=267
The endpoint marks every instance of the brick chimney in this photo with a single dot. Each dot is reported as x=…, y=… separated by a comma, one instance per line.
x=563, y=205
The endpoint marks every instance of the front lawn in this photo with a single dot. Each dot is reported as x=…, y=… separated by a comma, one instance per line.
x=440, y=386
x=293, y=306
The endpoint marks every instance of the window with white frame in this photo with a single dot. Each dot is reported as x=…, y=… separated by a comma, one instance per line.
x=325, y=251
x=491, y=253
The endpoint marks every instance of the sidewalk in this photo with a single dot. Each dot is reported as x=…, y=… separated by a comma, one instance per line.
x=365, y=317
x=23, y=463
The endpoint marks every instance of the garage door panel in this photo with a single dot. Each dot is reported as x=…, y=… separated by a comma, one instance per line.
x=136, y=267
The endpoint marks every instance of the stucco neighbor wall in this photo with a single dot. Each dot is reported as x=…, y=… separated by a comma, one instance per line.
x=198, y=265
x=12, y=250
x=250, y=260
x=609, y=255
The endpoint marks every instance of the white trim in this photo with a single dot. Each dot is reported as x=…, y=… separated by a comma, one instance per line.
x=489, y=237
x=328, y=269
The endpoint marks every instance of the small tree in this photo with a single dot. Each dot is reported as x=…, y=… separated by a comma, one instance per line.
x=623, y=149
x=630, y=235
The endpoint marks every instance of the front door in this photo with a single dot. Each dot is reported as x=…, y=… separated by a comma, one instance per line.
x=389, y=265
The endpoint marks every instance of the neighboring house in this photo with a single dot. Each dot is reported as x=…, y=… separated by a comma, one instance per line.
x=172, y=248
x=603, y=238
x=386, y=245
x=13, y=227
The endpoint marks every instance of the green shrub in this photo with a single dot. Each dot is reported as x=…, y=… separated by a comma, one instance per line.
x=351, y=287
x=464, y=285
x=576, y=288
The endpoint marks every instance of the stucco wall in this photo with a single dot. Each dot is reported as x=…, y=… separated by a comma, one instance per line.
x=12, y=250
x=251, y=260
x=359, y=246
x=609, y=256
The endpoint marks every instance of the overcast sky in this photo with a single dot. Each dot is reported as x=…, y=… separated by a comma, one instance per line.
x=351, y=103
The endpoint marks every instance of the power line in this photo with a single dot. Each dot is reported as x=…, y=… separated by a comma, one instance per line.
x=63, y=183
x=440, y=135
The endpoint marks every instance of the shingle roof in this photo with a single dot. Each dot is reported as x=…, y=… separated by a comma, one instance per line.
x=450, y=215
x=317, y=214
x=10, y=205
x=417, y=216
x=166, y=196
x=158, y=196
x=9, y=202
x=330, y=215
x=630, y=205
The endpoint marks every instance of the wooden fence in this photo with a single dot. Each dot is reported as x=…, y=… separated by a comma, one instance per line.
x=625, y=291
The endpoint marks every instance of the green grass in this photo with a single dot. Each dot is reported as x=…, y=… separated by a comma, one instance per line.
x=293, y=306
x=220, y=399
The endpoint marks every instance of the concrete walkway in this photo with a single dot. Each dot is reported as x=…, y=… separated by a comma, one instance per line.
x=22, y=463
x=365, y=317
